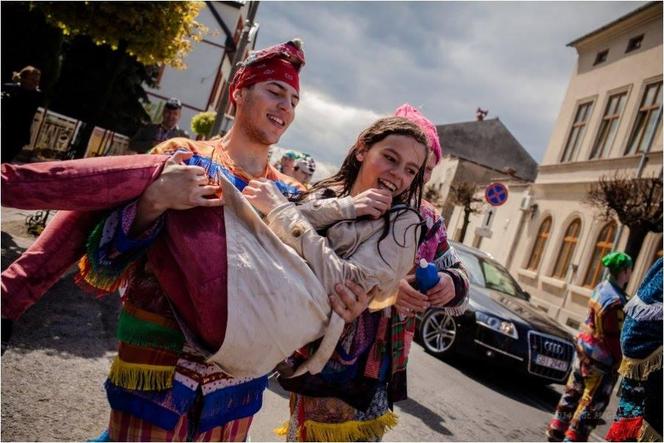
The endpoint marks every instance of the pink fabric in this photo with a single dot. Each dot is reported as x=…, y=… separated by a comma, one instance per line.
x=429, y=129
x=80, y=188
x=85, y=184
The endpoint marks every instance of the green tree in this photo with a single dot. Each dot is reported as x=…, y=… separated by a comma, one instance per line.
x=202, y=123
x=152, y=32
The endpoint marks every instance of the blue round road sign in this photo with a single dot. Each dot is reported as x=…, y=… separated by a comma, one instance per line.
x=496, y=194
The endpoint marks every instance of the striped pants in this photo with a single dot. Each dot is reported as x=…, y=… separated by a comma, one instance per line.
x=586, y=396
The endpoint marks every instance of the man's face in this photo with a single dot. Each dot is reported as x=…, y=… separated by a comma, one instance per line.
x=265, y=110
x=170, y=117
x=302, y=176
x=287, y=165
x=31, y=81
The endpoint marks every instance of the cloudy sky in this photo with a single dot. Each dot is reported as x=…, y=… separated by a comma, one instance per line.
x=447, y=58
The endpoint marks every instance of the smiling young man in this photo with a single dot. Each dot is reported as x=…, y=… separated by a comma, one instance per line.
x=175, y=294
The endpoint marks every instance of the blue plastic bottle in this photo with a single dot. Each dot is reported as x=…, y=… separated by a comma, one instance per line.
x=426, y=276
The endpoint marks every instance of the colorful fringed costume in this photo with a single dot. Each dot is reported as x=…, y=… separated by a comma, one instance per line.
x=639, y=415
x=159, y=386
x=352, y=398
x=594, y=372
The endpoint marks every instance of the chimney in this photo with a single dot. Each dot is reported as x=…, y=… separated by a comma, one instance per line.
x=480, y=114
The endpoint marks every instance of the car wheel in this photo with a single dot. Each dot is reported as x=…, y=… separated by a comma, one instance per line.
x=438, y=332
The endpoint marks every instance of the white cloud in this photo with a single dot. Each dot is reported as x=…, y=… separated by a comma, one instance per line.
x=324, y=128
x=366, y=58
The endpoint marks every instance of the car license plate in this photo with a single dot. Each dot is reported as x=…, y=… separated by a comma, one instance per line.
x=549, y=362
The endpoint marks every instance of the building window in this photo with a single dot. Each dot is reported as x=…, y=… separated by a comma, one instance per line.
x=603, y=246
x=540, y=243
x=567, y=249
x=609, y=125
x=634, y=43
x=646, y=123
x=576, y=135
x=601, y=57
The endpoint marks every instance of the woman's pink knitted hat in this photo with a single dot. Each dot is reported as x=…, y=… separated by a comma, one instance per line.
x=429, y=129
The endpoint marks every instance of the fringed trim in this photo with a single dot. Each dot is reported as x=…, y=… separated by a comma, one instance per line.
x=640, y=369
x=97, y=283
x=147, y=334
x=648, y=433
x=447, y=260
x=282, y=430
x=641, y=311
x=458, y=310
x=625, y=429
x=351, y=430
x=140, y=376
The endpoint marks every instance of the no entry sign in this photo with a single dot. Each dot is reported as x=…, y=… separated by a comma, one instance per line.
x=496, y=194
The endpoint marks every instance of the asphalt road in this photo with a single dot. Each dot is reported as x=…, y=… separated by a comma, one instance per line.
x=62, y=348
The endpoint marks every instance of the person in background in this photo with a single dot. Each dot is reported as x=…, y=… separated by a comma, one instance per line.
x=304, y=169
x=151, y=135
x=20, y=100
x=286, y=164
x=598, y=356
x=639, y=414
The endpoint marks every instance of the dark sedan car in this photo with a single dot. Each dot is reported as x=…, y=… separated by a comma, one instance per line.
x=499, y=324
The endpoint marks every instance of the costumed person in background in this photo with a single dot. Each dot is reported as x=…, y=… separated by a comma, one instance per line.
x=351, y=399
x=20, y=101
x=598, y=356
x=286, y=164
x=304, y=169
x=174, y=311
x=639, y=415
x=152, y=134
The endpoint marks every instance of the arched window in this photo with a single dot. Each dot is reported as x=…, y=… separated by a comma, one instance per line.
x=603, y=246
x=567, y=249
x=540, y=242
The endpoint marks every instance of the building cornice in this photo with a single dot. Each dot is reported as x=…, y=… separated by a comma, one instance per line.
x=635, y=19
x=608, y=164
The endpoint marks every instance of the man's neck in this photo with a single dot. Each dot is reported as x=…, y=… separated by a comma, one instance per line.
x=247, y=154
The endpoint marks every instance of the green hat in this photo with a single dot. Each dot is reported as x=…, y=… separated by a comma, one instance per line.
x=616, y=261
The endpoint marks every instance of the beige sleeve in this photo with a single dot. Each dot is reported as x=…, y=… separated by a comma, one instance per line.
x=376, y=266
x=322, y=213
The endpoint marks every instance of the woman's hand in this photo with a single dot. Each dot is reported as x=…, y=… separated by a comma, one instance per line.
x=443, y=293
x=410, y=301
x=263, y=195
x=372, y=202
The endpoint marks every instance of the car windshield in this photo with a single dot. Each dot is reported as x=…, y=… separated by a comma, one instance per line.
x=487, y=274
x=472, y=265
x=498, y=278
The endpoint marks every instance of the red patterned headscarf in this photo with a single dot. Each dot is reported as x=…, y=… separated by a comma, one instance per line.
x=429, y=129
x=279, y=62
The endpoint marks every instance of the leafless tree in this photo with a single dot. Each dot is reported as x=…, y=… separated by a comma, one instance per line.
x=463, y=194
x=434, y=194
x=636, y=202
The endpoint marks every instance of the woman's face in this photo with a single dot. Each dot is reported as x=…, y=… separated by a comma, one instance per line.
x=390, y=164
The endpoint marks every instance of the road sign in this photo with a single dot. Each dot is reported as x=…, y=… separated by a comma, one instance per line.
x=496, y=194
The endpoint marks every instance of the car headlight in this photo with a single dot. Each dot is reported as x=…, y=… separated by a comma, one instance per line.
x=498, y=325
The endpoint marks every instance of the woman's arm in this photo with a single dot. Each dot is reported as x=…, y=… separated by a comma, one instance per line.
x=375, y=265
x=324, y=212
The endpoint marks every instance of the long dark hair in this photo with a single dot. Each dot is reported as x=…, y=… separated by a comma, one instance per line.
x=342, y=182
